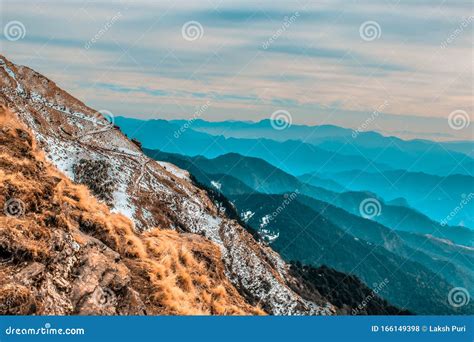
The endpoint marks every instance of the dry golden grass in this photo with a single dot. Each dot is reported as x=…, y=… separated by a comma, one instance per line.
x=173, y=274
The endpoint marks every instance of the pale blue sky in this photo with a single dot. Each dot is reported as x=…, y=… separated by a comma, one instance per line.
x=319, y=67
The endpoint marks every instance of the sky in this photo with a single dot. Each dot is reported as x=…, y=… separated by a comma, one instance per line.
x=403, y=68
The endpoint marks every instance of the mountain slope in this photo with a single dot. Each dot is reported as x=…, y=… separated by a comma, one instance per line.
x=62, y=252
x=347, y=290
x=352, y=295
x=452, y=261
x=72, y=135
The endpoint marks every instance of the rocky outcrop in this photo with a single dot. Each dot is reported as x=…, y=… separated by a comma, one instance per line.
x=62, y=252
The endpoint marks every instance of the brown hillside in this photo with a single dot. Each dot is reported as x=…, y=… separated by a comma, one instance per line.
x=63, y=252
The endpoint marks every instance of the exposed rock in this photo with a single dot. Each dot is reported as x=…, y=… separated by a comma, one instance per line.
x=62, y=252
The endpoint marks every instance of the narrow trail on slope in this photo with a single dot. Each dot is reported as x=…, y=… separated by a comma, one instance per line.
x=103, y=130
x=76, y=138
x=108, y=127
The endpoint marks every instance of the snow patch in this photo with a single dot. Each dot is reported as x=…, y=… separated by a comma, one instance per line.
x=268, y=236
x=19, y=88
x=37, y=98
x=246, y=215
x=122, y=203
x=264, y=221
x=216, y=184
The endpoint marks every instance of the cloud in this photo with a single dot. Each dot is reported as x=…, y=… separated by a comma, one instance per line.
x=317, y=67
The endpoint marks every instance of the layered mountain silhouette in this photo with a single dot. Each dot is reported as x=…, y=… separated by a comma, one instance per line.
x=439, y=158
x=432, y=195
x=294, y=157
x=263, y=177
x=312, y=239
x=310, y=226
x=438, y=195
